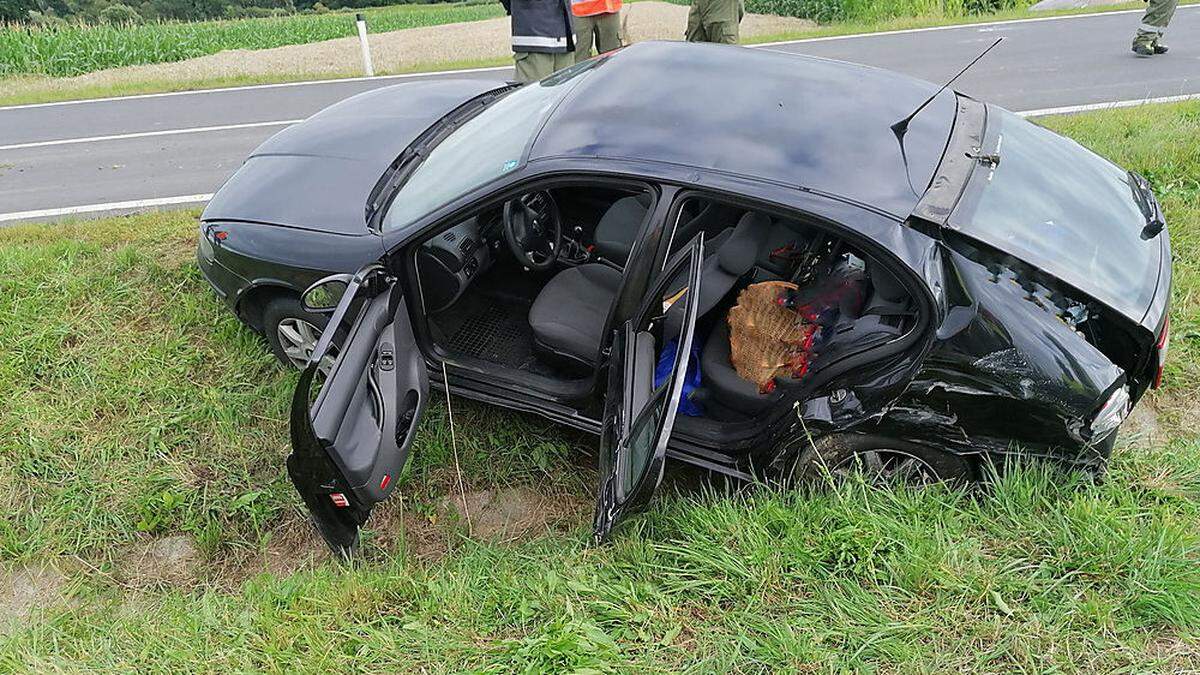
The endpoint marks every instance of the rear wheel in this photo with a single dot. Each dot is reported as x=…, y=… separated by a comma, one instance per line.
x=881, y=460
x=293, y=332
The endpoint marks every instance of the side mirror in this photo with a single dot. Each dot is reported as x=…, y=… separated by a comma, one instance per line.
x=325, y=294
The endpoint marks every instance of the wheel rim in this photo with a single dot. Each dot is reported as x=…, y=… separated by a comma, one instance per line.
x=889, y=466
x=298, y=338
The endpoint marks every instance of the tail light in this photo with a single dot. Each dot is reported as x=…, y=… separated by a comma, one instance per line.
x=1164, y=340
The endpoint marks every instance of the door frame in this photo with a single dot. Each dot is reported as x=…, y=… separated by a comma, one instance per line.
x=762, y=434
x=572, y=406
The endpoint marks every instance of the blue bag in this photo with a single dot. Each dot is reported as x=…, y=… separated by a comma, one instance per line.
x=691, y=379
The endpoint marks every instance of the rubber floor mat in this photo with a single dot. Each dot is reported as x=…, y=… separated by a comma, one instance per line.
x=499, y=333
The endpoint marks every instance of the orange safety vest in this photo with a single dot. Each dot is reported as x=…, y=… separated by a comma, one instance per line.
x=594, y=7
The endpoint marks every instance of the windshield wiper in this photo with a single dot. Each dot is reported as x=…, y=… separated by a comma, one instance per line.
x=399, y=170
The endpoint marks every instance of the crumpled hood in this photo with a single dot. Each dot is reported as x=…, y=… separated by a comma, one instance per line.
x=319, y=173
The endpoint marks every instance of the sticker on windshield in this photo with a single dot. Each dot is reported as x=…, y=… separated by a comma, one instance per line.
x=510, y=165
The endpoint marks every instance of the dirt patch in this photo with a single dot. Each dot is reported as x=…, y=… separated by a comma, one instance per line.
x=1179, y=655
x=1142, y=425
x=25, y=590
x=295, y=549
x=504, y=515
x=495, y=515
x=166, y=561
x=397, y=51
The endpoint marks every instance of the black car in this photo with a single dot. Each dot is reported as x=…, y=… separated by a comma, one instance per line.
x=973, y=286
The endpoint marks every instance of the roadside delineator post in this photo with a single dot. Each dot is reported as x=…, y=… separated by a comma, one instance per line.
x=362, y=42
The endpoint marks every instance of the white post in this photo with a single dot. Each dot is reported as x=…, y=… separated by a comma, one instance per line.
x=362, y=42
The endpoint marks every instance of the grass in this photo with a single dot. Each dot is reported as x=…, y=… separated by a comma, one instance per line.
x=30, y=89
x=137, y=411
x=76, y=49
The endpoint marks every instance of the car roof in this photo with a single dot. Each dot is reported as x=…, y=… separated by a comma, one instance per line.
x=795, y=120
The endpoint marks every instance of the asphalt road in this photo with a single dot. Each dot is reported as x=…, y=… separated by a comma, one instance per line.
x=95, y=156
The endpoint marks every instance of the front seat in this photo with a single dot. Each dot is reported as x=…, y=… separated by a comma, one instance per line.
x=568, y=315
x=620, y=224
x=618, y=227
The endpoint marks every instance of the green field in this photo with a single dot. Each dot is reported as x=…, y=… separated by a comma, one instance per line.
x=149, y=524
x=76, y=48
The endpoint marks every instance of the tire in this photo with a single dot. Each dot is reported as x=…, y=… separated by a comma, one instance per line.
x=287, y=311
x=884, y=460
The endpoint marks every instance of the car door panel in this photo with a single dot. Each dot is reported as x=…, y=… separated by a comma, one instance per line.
x=638, y=416
x=350, y=445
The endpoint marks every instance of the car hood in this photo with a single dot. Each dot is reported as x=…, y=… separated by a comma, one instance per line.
x=319, y=173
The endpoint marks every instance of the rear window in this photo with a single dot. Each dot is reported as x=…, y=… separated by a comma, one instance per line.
x=1061, y=208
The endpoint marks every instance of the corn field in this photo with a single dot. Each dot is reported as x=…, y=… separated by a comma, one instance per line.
x=75, y=49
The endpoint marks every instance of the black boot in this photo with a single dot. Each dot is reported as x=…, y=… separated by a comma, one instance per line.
x=1143, y=49
x=1160, y=48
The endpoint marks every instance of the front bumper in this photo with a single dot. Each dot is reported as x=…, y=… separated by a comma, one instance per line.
x=227, y=284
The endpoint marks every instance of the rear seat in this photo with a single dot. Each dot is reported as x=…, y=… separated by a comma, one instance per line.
x=727, y=396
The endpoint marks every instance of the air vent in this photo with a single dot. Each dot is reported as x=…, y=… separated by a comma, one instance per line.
x=449, y=236
x=466, y=246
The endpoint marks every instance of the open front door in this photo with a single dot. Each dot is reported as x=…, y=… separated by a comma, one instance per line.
x=640, y=405
x=350, y=444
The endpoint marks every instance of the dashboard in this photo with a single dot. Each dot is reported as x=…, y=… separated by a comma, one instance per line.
x=450, y=261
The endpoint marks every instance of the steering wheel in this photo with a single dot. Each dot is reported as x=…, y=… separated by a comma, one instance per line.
x=533, y=229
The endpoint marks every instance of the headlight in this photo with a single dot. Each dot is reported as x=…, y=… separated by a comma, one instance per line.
x=1111, y=415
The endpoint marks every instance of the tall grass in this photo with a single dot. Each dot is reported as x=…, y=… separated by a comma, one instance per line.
x=75, y=49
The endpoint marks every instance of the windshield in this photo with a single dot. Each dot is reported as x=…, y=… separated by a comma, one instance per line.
x=484, y=148
x=1060, y=207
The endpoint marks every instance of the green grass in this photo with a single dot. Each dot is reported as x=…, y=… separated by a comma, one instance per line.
x=77, y=49
x=135, y=408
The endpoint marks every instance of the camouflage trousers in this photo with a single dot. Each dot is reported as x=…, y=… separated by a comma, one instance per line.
x=534, y=66
x=603, y=29
x=1154, y=21
x=714, y=21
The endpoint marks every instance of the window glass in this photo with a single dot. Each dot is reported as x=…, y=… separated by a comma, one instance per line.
x=484, y=148
x=1060, y=207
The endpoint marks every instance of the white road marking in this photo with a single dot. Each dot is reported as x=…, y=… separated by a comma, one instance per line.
x=248, y=87
x=1069, y=109
x=491, y=69
x=101, y=208
x=200, y=198
x=986, y=26
x=145, y=134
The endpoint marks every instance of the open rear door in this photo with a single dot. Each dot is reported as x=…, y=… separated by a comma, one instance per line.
x=350, y=444
x=640, y=407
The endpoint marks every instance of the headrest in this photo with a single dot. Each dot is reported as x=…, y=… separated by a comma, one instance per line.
x=740, y=251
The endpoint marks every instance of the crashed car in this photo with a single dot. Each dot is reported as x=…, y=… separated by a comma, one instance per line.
x=798, y=273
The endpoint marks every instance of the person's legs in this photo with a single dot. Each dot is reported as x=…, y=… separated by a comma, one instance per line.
x=722, y=21
x=695, y=25
x=1154, y=22
x=560, y=61
x=533, y=66
x=723, y=32
x=585, y=30
x=608, y=32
